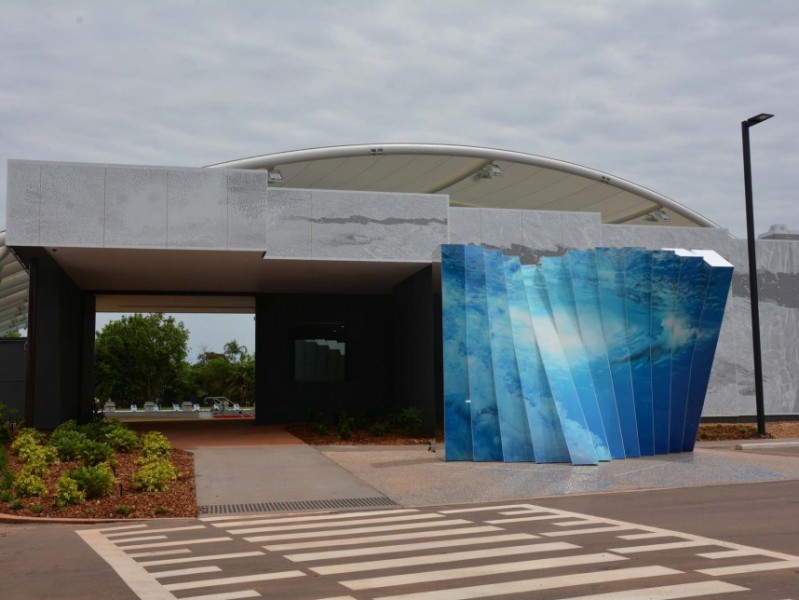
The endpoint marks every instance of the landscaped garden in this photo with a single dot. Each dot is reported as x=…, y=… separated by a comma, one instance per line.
x=97, y=470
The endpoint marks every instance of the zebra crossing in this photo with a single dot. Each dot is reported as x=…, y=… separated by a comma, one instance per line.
x=503, y=550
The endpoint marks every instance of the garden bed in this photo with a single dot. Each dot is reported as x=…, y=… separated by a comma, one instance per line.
x=123, y=500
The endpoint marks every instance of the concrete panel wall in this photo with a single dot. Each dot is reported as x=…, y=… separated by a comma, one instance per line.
x=116, y=206
x=525, y=233
x=341, y=225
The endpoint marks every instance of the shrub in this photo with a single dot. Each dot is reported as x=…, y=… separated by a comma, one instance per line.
x=37, y=459
x=155, y=475
x=160, y=511
x=37, y=509
x=122, y=510
x=26, y=438
x=94, y=453
x=409, y=420
x=6, y=477
x=6, y=496
x=5, y=423
x=155, y=443
x=95, y=431
x=28, y=483
x=64, y=427
x=94, y=481
x=121, y=439
x=68, y=443
x=67, y=492
x=378, y=428
x=345, y=425
x=16, y=505
x=320, y=429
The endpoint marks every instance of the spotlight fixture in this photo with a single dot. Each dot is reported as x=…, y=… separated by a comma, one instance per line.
x=489, y=172
x=274, y=176
x=664, y=216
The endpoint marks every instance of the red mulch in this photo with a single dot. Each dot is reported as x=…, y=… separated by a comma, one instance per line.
x=359, y=437
x=179, y=500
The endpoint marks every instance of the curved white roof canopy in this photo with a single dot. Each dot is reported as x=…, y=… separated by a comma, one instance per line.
x=13, y=290
x=474, y=177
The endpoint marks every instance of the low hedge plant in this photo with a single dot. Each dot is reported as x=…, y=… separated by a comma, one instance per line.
x=28, y=483
x=94, y=481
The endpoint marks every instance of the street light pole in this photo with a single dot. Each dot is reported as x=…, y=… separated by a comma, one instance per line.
x=750, y=240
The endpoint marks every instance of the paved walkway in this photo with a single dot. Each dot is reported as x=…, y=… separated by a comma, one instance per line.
x=243, y=467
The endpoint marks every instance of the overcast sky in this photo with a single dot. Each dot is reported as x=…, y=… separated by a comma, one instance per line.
x=653, y=92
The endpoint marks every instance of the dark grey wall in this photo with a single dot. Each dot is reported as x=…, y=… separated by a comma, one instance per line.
x=414, y=345
x=61, y=327
x=12, y=375
x=368, y=383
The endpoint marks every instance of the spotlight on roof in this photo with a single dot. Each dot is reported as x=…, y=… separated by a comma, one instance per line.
x=489, y=172
x=663, y=215
x=274, y=176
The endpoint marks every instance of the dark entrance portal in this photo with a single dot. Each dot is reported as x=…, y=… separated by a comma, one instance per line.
x=326, y=353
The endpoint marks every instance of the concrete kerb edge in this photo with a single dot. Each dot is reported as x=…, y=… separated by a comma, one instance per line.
x=769, y=444
x=19, y=519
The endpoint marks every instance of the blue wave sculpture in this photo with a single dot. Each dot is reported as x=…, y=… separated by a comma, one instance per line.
x=598, y=355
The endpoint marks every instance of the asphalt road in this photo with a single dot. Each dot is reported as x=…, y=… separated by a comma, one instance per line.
x=734, y=541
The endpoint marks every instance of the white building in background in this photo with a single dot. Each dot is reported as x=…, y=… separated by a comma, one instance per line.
x=779, y=232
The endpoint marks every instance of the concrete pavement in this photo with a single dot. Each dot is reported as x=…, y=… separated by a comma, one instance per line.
x=243, y=468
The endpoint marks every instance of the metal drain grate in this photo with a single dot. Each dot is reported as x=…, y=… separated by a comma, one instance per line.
x=294, y=505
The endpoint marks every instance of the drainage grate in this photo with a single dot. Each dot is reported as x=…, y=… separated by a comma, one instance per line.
x=294, y=505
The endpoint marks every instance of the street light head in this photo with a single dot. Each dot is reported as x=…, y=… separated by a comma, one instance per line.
x=757, y=119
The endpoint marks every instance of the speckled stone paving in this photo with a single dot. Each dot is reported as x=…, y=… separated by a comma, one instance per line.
x=412, y=476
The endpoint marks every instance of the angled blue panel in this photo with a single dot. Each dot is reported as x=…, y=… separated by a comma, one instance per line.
x=718, y=288
x=486, y=437
x=586, y=297
x=542, y=416
x=638, y=304
x=692, y=288
x=575, y=429
x=557, y=276
x=457, y=415
x=516, y=443
x=610, y=265
x=665, y=274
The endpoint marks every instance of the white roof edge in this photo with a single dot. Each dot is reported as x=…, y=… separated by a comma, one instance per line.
x=713, y=258
x=268, y=161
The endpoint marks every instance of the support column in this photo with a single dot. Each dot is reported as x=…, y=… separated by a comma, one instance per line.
x=60, y=361
x=414, y=346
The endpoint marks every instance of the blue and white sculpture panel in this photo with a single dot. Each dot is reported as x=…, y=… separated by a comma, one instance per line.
x=596, y=355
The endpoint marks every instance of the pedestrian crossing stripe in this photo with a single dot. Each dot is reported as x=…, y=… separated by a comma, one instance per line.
x=472, y=547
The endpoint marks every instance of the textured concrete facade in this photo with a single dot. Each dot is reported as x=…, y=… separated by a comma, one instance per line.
x=110, y=206
x=342, y=225
x=54, y=205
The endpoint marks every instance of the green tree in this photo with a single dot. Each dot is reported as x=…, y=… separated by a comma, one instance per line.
x=140, y=358
x=230, y=374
